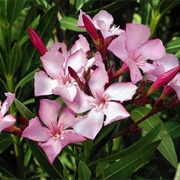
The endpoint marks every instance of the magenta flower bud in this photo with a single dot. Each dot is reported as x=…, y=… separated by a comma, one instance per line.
x=162, y=80
x=37, y=41
x=90, y=28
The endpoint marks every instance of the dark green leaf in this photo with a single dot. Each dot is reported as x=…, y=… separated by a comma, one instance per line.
x=83, y=171
x=144, y=141
x=173, y=127
x=173, y=46
x=166, y=147
x=5, y=141
x=14, y=9
x=126, y=166
x=145, y=12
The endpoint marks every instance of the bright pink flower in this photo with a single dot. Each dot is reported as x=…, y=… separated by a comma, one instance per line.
x=56, y=78
x=55, y=134
x=102, y=21
x=6, y=120
x=134, y=49
x=103, y=103
x=37, y=41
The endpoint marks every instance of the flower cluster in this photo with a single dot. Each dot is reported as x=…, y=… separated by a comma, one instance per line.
x=93, y=91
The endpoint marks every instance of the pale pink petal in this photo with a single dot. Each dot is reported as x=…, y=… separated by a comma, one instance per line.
x=81, y=102
x=66, y=118
x=98, y=80
x=175, y=84
x=146, y=67
x=152, y=49
x=48, y=111
x=114, y=111
x=105, y=17
x=76, y=61
x=135, y=73
x=35, y=131
x=9, y=100
x=169, y=61
x=67, y=92
x=81, y=43
x=61, y=47
x=71, y=137
x=53, y=63
x=51, y=148
x=90, y=124
x=121, y=91
x=6, y=122
x=118, y=48
x=137, y=34
x=43, y=84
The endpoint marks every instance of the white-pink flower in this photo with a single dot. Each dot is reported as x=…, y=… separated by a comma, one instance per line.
x=134, y=49
x=56, y=133
x=6, y=120
x=56, y=78
x=102, y=21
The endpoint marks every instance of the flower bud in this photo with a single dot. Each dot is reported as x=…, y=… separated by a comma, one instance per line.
x=162, y=80
x=37, y=41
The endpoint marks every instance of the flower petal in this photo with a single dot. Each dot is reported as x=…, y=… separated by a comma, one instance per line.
x=90, y=124
x=53, y=63
x=71, y=137
x=51, y=148
x=9, y=100
x=6, y=122
x=43, y=84
x=48, y=111
x=152, y=49
x=118, y=48
x=121, y=91
x=137, y=34
x=35, y=131
x=114, y=111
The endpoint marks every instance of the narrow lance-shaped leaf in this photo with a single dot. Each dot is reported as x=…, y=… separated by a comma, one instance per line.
x=84, y=172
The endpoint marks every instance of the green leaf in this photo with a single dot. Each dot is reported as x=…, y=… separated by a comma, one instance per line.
x=173, y=127
x=27, y=157
x=5, y=141
x=15, y=59
x=70, y=23
x=126, y=166
x=83, y=171
x=144, y=141
x=13, y=9
x=26, y=79
x=166, y=147
x=173, y=46
x=23, y=110
x=145, y=12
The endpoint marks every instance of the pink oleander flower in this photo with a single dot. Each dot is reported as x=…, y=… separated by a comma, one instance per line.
x=37, y=41
x=175, y=84
x=56, y=78
x=56, y=133
x=102, y=21
x=134, y=49
x=104, y=103
x=6, y=120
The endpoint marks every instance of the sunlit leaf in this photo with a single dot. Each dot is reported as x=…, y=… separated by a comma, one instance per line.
x=70, y=23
